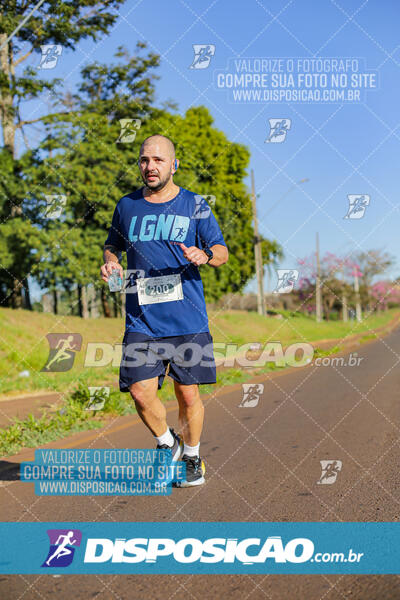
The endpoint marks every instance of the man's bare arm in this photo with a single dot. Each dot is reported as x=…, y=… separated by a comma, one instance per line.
x=111, y=253
x=199, y=257
x=111, y=257
x=220, y=257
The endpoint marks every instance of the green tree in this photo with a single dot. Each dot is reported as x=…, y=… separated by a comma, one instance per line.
x=83, y=158
x=55, y=22
x=98, y=171
x=80, y=158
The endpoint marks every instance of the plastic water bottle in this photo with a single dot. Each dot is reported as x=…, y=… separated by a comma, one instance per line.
x=115, y=281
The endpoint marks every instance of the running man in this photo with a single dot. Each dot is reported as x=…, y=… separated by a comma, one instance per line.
x=62, y=549
x=64, y=347
x=156, y=226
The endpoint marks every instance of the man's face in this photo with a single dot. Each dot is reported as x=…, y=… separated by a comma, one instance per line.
x=155, y=164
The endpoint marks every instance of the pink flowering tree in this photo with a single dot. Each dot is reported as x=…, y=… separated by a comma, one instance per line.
x=384, y=293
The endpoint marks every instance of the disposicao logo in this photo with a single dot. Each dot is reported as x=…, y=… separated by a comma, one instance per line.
x=190, y=550
x=62, y=547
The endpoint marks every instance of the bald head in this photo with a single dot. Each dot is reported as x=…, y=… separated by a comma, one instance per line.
x=162, y=141
x=157, y=161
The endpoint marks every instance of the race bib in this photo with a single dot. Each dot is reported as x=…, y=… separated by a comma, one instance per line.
x=166, y=288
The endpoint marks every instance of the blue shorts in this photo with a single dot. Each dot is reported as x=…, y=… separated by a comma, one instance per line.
x=190, y=358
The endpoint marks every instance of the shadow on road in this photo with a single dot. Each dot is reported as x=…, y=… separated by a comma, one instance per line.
x=9, y=471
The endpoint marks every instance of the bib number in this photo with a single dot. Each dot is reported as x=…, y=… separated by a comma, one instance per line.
x=152, y=290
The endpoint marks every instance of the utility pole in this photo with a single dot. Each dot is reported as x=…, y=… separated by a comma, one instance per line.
x=318, y=298
x=257, y=253
x=357, y=292
x=345, y=310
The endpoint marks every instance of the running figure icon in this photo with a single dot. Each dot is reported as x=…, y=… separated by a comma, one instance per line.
x=63, y=346
x=180, y=233
x=330, y=470
x=62, y=549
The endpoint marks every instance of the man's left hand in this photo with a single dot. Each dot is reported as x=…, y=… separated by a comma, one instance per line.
x=194, y=255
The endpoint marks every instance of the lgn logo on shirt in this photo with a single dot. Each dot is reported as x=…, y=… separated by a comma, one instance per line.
x=159, y=227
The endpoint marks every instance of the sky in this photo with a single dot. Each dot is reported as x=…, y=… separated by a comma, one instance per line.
x=342, y=147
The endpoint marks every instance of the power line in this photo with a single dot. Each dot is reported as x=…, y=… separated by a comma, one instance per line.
x=24, y=20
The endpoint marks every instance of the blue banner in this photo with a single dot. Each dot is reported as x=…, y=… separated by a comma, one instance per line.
x=201, y=548
x=103, y=472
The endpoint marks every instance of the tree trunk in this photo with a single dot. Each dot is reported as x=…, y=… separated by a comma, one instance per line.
x=27, y=295
x=92, y=301
x=16, y=294
x=358, y=300
x=6, y=98
x=84, y=303
x=104, y=303
x=326, y=309
x=345, y=312
x=79, y=290
x=55, y=302
x=115, y=305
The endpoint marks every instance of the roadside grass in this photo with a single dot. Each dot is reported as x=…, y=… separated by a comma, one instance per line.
x=71, y=416
x=31, y=432
x=241, y=327
x=24, y=347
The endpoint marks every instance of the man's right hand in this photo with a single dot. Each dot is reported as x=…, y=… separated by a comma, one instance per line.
x=107, y=269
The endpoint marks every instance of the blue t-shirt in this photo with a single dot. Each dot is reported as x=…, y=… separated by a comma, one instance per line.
x=150, y=234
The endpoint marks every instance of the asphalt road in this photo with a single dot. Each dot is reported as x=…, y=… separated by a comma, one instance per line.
x=263, y=464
